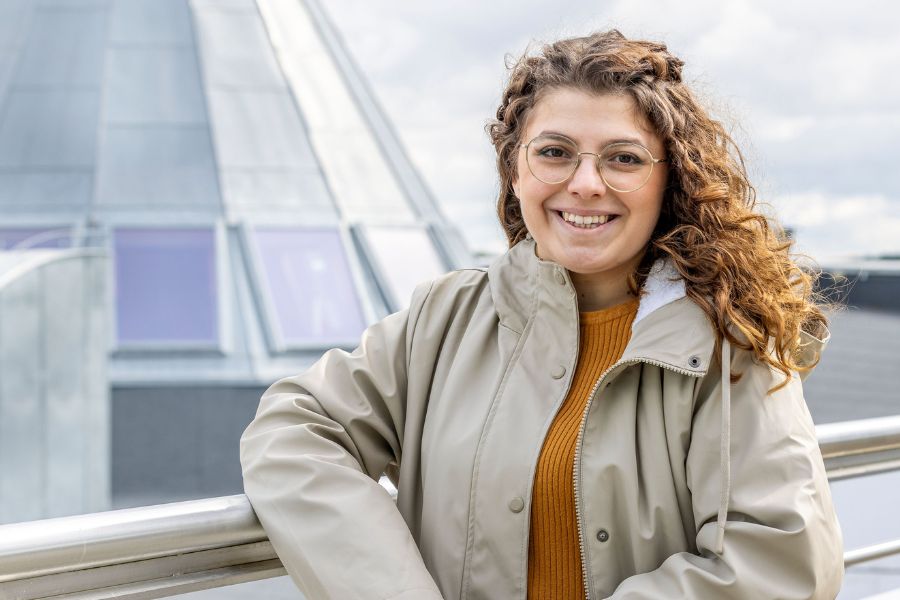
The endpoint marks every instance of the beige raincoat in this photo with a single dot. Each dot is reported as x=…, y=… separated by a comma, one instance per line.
x=684, y=488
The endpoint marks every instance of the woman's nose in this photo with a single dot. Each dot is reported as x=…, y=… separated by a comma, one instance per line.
x=587, y=179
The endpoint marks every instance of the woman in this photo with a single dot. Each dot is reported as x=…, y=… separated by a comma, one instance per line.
x=612, y=409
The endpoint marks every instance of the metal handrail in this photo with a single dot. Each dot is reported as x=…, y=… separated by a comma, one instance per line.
x=860, y=447
x=157, y=551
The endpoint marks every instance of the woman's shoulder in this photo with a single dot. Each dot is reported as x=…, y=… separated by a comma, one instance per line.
x=460, y=280
x=456, y=283
x=445, y=295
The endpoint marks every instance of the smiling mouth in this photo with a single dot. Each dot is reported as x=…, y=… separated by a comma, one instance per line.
x=587, y=221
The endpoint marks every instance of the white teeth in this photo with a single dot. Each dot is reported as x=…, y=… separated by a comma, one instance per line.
x=585, y=221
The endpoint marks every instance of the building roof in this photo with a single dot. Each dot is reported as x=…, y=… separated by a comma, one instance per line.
x=858, y=375
x=232, y=160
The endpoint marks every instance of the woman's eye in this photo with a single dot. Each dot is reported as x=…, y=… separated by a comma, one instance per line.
x=554, y=152
x=625, y=158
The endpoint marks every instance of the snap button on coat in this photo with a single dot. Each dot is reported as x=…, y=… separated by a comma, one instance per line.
x=558, y=372
x=694, y=361
x=603, y=535
x=560, y=278
x=516, y=504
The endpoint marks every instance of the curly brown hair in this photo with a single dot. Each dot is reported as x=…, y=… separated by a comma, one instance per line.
x=735, y=262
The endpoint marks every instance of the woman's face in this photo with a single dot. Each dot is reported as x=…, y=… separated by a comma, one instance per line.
x=612, y=249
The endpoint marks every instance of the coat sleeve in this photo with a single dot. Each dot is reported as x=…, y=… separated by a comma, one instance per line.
x=311, y=460
x=782, y=538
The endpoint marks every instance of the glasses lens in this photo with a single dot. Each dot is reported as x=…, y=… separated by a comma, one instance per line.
x=626, y=167
x=551, y=159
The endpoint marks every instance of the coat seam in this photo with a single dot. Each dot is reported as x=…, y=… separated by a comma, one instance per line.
x=415, y=322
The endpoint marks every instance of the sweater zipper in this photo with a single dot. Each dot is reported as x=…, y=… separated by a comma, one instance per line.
x=576, y=471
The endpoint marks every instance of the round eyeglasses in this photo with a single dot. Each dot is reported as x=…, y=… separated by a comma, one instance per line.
x=624, y=166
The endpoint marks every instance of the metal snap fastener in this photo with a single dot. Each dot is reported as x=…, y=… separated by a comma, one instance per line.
x=516, y=504
x=560, y=278
x=603, y=535
x=694, y=361
x=558, y=372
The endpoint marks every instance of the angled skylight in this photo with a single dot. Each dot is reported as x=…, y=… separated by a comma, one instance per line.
x=166, y=287
x=402, y=257
x=306, y=287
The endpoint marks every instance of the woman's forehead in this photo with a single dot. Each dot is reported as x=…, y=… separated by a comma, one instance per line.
x=588, y=118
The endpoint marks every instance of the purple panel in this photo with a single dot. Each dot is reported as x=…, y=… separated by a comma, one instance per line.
x=166, y=285
x=35, y=238
x=308, y=281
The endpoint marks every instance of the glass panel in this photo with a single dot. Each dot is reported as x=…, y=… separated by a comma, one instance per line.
x=258, y=130
x=157, y=166
x=308, y=280
x=151, y=22
x=166, y=285
x=21, y=239
x=65, y=47
x=404, y=258
x=154, y=85
x=237, y=51
x=46, y=191
x=47, y=127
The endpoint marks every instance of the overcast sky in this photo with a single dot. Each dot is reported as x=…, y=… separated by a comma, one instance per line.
x=811, y=89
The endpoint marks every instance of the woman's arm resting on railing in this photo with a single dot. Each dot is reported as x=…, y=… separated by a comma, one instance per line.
x=312, y=458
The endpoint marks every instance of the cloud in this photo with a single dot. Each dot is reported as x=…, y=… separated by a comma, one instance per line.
x=809, y=87
x=828, y=226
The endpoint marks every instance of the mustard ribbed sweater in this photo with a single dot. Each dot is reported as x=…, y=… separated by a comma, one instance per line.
x=554, y=556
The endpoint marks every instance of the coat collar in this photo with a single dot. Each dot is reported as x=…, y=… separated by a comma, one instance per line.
x=669, y=327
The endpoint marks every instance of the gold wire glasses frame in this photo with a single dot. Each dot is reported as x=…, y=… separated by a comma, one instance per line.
x=623, y=166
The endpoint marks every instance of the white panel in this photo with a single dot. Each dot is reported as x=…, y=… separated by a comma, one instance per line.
x=236, y=50
x=321, y=91
x=290, y=29
x=21, y=403
x=64, y=353
x=405, y=257
x=54, y=407
x=95, y=389
x=364, y=186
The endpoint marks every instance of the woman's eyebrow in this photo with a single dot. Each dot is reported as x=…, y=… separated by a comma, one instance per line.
x=556, y=134
x=621, y=140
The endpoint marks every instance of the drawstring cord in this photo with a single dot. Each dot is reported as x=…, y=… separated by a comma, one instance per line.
x=725, y=451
